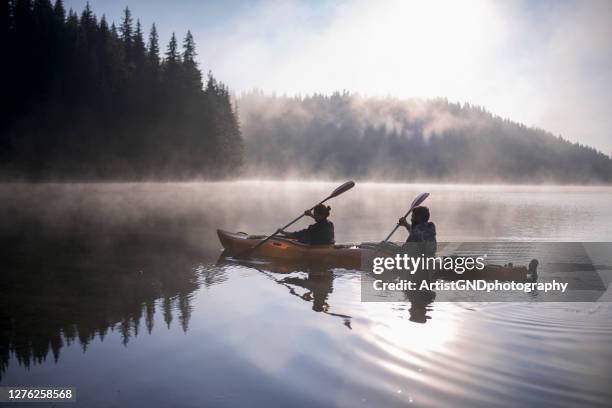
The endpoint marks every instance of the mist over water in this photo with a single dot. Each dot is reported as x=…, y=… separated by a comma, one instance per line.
x=189, y=213
x=123, y=280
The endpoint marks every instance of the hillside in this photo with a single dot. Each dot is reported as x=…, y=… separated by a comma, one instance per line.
x=347, y=135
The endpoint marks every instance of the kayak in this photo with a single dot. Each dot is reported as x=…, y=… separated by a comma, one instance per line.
x=281, y=248
x=351, y=256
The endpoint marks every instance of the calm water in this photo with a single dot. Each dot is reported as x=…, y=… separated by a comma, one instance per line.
x=116, y=289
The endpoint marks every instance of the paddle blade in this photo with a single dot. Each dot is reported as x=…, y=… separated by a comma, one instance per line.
x=345, y=187
x=418, y=200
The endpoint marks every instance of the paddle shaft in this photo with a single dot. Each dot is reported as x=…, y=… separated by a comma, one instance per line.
x=396, y=227
x=286, y=226
x=417, y=201
x=340, y=190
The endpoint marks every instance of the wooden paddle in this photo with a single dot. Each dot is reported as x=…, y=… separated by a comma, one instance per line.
x=417, y=201
x=343, y=188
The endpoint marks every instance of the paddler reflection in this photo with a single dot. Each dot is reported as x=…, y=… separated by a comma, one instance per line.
x=420, y=304
x=319, y=284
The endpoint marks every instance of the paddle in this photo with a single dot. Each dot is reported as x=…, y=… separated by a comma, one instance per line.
x=417, y=201
x=343, y=188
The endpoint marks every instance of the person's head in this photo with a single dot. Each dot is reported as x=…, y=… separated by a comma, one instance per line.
x=321, y=212
x=420, y=215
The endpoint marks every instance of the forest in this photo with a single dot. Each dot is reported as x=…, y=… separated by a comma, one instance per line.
x=388, y=139
x=86, y=99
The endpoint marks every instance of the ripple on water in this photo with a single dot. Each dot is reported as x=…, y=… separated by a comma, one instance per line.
x=485, y=354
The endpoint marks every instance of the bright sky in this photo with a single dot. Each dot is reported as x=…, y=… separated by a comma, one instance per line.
x=543, y=63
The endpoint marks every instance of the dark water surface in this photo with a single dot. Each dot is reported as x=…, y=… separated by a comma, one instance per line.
x=117, y=290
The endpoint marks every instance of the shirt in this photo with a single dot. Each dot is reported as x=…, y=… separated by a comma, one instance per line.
x=319, y=233
x=424, y=233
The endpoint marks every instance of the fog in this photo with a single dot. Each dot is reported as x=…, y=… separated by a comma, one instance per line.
x=46, y=221
x=344, y=135
x=545, y=64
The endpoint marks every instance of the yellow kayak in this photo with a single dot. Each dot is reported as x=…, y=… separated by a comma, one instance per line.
x=290, y=250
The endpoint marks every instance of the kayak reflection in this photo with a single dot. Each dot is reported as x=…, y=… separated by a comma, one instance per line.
x=314, y=287
x=314, y=282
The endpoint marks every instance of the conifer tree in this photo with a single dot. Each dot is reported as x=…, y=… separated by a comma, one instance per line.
x=153, y=46
x=139, y=45
x=59, y=11
x=189, y=52
x=126, y=28
x=153, y=50
x=193, y=75
x=172, y=56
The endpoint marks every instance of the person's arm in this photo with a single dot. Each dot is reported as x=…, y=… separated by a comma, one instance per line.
x=285, y=233
x=295, y=235
x=404, y=223
x=302, y=235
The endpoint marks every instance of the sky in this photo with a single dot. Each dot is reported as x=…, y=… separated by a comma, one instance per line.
x=544, y=63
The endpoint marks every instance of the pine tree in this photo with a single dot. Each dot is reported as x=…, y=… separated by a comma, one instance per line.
x=126, y=28
x=153, y=49
x=193, y=76
x=104, y=30
x=139, y=51
x=172, y=56
x=87, y=17
x=189, y=52
x=139, y=46
x=59, y=11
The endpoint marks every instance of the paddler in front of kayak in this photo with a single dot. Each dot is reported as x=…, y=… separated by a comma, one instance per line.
x=319, y=233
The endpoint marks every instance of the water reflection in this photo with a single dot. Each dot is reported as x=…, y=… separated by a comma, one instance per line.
x=55, y=292
x=116, y=261
x=309, y=282
x=314, y=283
x=420, y=305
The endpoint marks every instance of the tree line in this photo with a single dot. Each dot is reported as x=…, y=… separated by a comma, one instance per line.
x=346, y=135
x=85, y=99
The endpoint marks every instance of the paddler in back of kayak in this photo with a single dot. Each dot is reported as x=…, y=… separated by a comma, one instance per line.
x=421, y=242
x=421, y=237
x=319, y=233
x=420, y=228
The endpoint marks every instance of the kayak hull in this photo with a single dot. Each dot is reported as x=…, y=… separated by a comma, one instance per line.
x=290, y=250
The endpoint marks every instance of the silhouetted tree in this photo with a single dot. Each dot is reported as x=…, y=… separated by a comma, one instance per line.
x=153, y=50
x=126, y=27
x=172, y=56
x=89, y=101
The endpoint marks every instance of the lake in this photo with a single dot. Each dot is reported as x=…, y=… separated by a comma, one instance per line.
x=117, y=290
